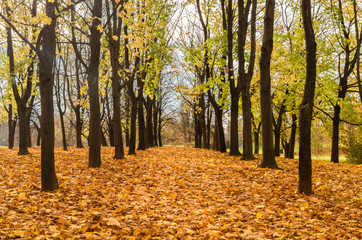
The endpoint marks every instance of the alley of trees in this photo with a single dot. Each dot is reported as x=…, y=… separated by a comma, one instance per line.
x=111, y=73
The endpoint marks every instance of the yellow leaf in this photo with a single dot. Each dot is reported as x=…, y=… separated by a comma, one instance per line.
x=112, y=222
x=258, y=215
x=22, y=196
x=115, y=38
x=100, y=28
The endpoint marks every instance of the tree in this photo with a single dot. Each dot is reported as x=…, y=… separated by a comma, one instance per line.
x=265, y=88
x=246, y=75
x=306, y=108
x=114, y=33
x=92, y=69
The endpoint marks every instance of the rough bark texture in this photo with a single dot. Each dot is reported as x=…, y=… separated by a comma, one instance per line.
x=49, y=180
x=306, y=108
x=94, y=159
x=265, y=88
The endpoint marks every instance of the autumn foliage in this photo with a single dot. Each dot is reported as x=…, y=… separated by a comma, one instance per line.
x=176, y=193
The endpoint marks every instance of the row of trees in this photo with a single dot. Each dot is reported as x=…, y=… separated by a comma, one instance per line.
x=220, y=48
x=90, y=55
x=111, y=63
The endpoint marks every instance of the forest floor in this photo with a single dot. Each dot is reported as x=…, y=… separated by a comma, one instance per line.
x=176, y=193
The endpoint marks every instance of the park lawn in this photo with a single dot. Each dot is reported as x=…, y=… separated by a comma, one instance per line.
x=172, y=192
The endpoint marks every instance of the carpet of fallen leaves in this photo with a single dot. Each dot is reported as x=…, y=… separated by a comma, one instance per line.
x=176, y=193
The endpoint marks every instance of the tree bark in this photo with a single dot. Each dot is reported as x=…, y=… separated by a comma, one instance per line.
x=46, y=59
x=115, y=30
x=291, y=143
x=149, y=125
x=306, y=108
x=245, y=76
x=94, y=159
x=265, y=88
x=234, y=88
x=10, y=127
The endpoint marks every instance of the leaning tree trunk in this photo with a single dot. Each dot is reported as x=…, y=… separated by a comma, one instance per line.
x=265, y=88
x=306, y=108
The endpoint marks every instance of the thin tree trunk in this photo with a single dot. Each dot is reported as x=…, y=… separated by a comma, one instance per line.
x=293, y=132
x=141, y=120
x=10, y=127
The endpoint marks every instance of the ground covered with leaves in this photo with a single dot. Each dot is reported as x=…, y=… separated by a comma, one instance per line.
x=176, y=193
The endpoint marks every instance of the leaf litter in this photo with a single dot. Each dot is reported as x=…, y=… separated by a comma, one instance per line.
x=176, y=193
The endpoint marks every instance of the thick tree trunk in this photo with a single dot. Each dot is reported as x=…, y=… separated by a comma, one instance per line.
x=265, y=88
x=306, y=108
x=49, y=180
x=94, y=159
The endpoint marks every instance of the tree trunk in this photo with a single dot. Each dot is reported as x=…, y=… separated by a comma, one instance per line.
x=335, y=134
x=149, y=109
x=115, y=133
x=92, y=70
x=306, y=108
x=155, y=114
x=234, y=121
x=132, y=141
x=78, y=127
x=265, y=88
x=49, y=180
x=220, y=131
x=256, y=140
x=291, y=143
x=103, y=139
x=247, y=127
x=246, y=76
x=160, y=125
x=64, y=137
x=141, y=121
x=23, y=146
x=10, y=127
